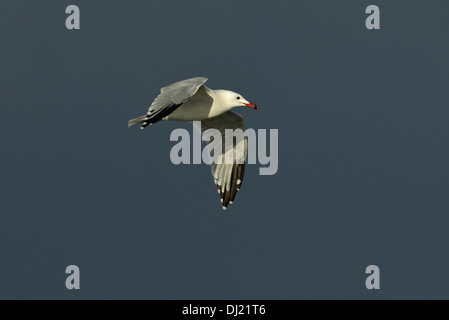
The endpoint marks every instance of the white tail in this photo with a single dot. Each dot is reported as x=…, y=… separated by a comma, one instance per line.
x=137, y=120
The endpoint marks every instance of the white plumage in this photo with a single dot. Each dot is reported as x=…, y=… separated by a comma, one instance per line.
x=191, y=100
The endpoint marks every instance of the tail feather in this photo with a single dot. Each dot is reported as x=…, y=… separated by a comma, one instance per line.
x=137, y=120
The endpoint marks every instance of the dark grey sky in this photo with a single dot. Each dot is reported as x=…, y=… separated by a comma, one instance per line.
x=363, y=151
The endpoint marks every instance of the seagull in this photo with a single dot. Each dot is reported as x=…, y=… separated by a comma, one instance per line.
x=191, y=100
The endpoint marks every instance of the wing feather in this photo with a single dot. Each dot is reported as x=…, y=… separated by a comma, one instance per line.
x=171, y=98
x=227, y=176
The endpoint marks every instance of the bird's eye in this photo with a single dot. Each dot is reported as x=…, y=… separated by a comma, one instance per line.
x=238, y=98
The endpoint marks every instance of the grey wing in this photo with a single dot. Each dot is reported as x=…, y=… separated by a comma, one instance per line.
x=170, y=98
x=228, y=171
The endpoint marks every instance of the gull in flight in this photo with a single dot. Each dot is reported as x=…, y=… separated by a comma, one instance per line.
x=191, y=100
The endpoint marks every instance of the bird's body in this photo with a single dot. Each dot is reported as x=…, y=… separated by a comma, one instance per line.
x=191, y=100
x=204, y=104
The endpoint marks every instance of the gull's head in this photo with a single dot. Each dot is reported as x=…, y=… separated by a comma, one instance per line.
x=234, y=99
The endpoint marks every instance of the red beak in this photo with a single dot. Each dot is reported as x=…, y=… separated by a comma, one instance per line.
x=252, y=105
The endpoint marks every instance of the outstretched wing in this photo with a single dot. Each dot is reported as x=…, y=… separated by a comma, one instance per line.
x=170, y=98
x=228, y=171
